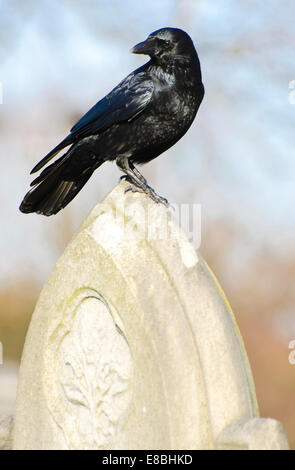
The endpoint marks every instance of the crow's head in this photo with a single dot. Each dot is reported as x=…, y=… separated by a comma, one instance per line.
x=165, y=44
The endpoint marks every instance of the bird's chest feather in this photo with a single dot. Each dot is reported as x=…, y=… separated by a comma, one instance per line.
x=174, y=99
x=175, y=104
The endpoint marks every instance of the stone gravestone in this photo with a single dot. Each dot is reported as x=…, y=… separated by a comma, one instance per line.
x=133, y=345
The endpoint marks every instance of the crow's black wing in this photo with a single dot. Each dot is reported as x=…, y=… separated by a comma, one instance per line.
x=123, y=103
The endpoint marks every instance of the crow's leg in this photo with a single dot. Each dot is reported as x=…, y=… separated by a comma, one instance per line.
x=136, y=172
x=139, y=183
x=126, y=166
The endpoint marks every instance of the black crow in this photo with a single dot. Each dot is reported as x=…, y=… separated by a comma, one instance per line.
x=148, y=112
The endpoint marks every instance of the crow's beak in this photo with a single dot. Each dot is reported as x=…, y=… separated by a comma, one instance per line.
x=145, y=47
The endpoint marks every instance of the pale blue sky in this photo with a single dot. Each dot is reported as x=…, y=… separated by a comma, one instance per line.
x=57, y=58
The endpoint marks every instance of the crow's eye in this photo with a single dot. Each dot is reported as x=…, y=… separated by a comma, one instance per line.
x=165, y=44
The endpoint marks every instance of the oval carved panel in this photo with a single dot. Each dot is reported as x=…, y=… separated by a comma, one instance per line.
x=93, y=370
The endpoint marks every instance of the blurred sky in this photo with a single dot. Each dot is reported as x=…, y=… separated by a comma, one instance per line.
x=57, y=58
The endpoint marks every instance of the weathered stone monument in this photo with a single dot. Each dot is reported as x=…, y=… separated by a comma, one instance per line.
x=133, y=345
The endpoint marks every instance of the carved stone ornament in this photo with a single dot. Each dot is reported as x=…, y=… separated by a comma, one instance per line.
x=91, y=372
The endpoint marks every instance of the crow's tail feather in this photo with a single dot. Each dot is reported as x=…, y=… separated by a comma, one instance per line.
x=53, y=190
x=65, y=143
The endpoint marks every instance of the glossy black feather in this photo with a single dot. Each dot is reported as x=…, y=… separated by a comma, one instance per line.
x=128, y=99
x=124, y=102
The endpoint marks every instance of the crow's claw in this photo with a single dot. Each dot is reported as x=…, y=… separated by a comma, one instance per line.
x=149, y=192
